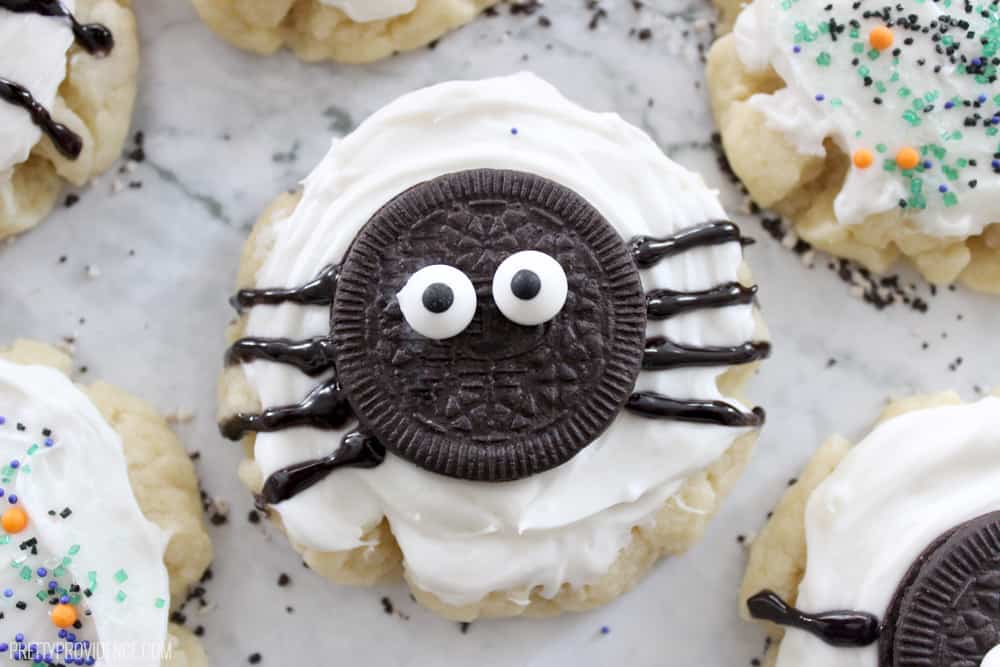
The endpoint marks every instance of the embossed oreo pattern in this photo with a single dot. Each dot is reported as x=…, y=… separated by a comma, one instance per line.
x=946, y=612
x=499, y=401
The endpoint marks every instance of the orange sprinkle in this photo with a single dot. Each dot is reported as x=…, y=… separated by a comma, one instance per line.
x=63, y=615
x=907, y=158
x=880, y=37
x=14, y=520
x=863, y=158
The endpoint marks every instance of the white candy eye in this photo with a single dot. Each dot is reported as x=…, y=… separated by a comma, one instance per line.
x=529, y=287
x=438, y=301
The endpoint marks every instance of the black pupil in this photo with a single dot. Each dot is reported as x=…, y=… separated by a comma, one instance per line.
x=525, y=284
x=438, y=297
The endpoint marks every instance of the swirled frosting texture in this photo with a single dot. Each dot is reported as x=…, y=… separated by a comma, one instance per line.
x=933, y=91
x=46, y=39
x=105, y=534
x=460, y=539
x=914, y=478
x=372, y=10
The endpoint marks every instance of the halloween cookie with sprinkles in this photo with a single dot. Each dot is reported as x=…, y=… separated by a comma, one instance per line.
x=348, y=31
x=101, y=530
x=885, y=554
x=874, y=127
x=501, y=355
x=67, y=86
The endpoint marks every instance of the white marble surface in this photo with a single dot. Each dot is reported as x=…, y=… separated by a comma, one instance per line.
x=225, y=131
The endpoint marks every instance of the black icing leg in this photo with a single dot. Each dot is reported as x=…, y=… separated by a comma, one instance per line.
x=663, y=304
x=313, y=356
x=655, y=406
x=324, y=408
x=317, y=292
x=837, y=628
x=356, y=451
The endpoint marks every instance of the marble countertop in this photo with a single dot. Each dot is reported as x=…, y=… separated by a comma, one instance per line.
x=136, y=275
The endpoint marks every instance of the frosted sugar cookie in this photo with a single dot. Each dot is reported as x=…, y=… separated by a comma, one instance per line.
x=508, y=356
x=100, y=521
x=885, y=554
x=349, y=31
x=873, y=127
x=67, y=85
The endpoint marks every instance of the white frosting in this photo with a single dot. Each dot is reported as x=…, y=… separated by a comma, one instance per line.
x=460, y=539
x=552, y=293
x=84, y=470
x=991, y=659
x=914, y=478
x=372, y=10
x=46, y=39
x=448, y=323
x=765, y=34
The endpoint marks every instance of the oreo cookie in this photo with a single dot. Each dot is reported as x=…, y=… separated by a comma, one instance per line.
x=946, y=611
x=499, y=400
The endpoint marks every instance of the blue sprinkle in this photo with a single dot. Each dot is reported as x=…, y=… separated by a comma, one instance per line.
x=982, y=98
x=41, y=572
x=996, y=164
x=53, y=585
x=8, y=593
x=19, y=637
x=49, y=442
x=64, y=599
x=15, y=464
x=949, y=105
x=63, y=633
x=605, y=630
x=797, y=49
x=3, y=420
x=942, y=188
x=820, y=97
x=928, y=164
x=513, y=130
x=3, y=647
x=977, y=62
x=12, y=499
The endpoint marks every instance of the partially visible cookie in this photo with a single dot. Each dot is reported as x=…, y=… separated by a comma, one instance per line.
x=348, y=31
x=106, y=494
x=873, y=129
x=65, y=111
x=856, y=546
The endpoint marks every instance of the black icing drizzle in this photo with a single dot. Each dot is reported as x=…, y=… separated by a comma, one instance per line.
x=317, y=292
x=663, y=304
x=656, y=406
x=356, y=451
x=312, y=357
x=324, y=408
x=648, y=250
x=66, y=140
x=93, y=38
x=662, y=354
x=837, y=628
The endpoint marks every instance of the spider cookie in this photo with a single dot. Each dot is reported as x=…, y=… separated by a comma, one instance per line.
x=874, y=127
x=497, y=338
x=885, y=554
x=67, y=85
x=101, y=522
x=348, y=31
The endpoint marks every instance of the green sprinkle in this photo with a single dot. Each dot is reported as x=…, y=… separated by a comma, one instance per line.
x=42, y=595
x=59, y=571
x=121, y=577
x=67, y=561
x=904, y=92
x=950, y=172
x=120, y=597
x=4, y=539
x=160, y=603
x=950, y=199
x=912, y=118
x=873, y=54
x=889, y=165
x=858, y=47
x=32, y=450
x=991, y=131
x=26, y=573
x=74, y=550
x=881, y=148
x=92, y=581
x=823, y=59
x=836, y=102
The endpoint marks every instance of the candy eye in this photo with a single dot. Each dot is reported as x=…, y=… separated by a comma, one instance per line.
x=438, y=301
x=529, y=288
